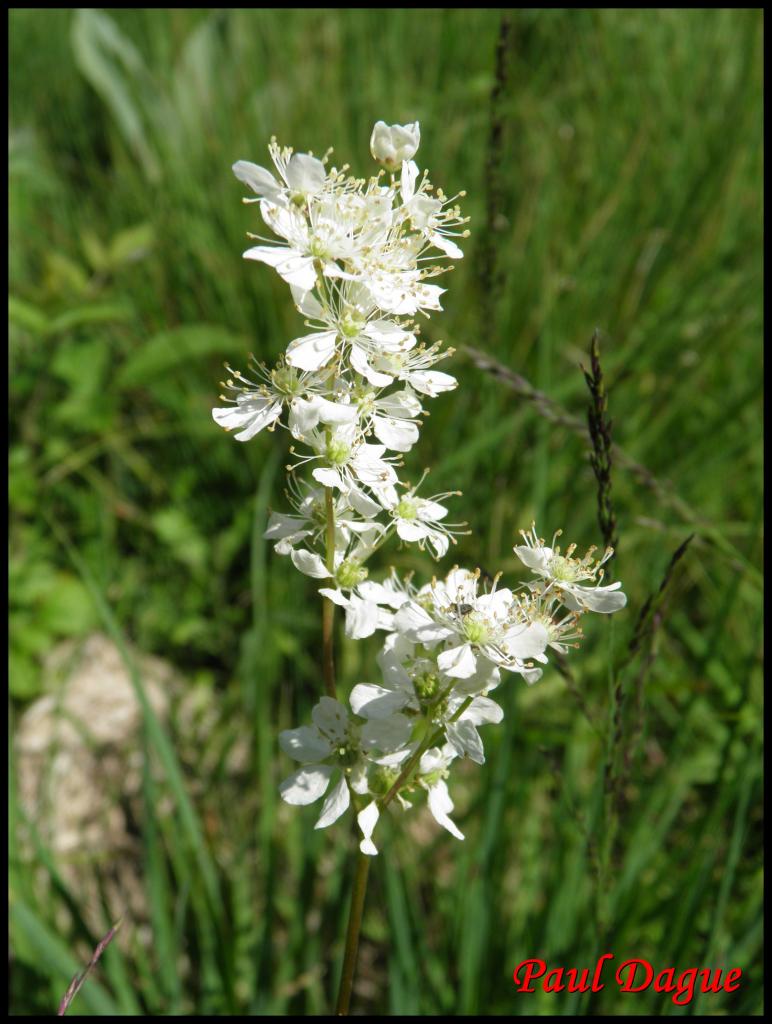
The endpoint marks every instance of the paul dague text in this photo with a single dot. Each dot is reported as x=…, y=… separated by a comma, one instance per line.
x=631, y=976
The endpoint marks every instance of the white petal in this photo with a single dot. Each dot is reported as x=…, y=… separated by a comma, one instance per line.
x=284, y=545
x=372, y=701
x=336, y=412
x=328, y=477
x=362, y=504
x=389, y=336
x=360, y=363
x=459, y=662
x=258, y=179
x=534, y=558
x=386, y=734
x=432, y=382
x=370, y=467
x=335, y=596
x=336, y=804
x=407, y=180
x=418, y=626
x=307, y=303
x=303, y=416
x=465, y=741
x=331, y=719
x=357, y=780
x=397, y=758
x=531, y=675
x=446, y=245
x=305, y=173
x=431, y=760
x=249, y=415
x=597, y=599
x=440, y=805
x=427, y=296
x=280, y=525
x=306, y=785
x=460, y=585
x=431, y=510
x=312, y=351
x=495, y=605
x=440, y=542
x=305, y=744
x=382, y=594
x=361, y=618
x=411, y=531
x=294, y=267
x=487, y=677
x=397, y=435
x=367, y=820
x=483, y=711
x=527, y=641
x=310, y=563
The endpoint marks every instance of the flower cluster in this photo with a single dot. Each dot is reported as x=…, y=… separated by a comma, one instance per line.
x=446, y=647
x=359, y=256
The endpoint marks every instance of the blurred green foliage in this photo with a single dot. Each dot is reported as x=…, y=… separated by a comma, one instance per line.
x=621, y=190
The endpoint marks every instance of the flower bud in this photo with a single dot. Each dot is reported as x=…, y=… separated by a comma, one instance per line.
x=391, y=145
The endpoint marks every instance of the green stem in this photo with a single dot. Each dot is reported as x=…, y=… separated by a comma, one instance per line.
x=429, y=741
x=352, y=934
x=328, y=608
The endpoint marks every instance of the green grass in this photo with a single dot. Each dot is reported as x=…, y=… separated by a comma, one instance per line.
x=624, y=194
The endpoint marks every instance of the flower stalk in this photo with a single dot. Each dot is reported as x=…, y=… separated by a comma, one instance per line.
x=328, y=608
x=358, y=892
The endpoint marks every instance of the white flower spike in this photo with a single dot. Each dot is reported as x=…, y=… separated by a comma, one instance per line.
x=361, y=257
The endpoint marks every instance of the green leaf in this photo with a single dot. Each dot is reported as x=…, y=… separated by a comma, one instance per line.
x=24, y=314
x=68, y=609
x=181, y=536
x=64, y=276
x=23, y=676
x=114, y=67
x=131, y=245
x=94, y=250
x=84, y=364
x=95, y=314
x=170, y=349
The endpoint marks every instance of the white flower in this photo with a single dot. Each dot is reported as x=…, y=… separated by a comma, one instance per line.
x=431, y=215
x=390, y=145
x=412, y=367
x=393, y=418
x=471, y=625
x=249, y=414
x=419, y=521
x=567, y=575
x=353, y=464
x=310, y=519
x=543, y=605
x=331, y=228
x=329, y=752
x=414, y=683
x=401, y=292
x=258, y=405
x=432, y=772
x=303, y=176
x=462, y=733
x=350, y=321
x=308, y=413
x=369, y=606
